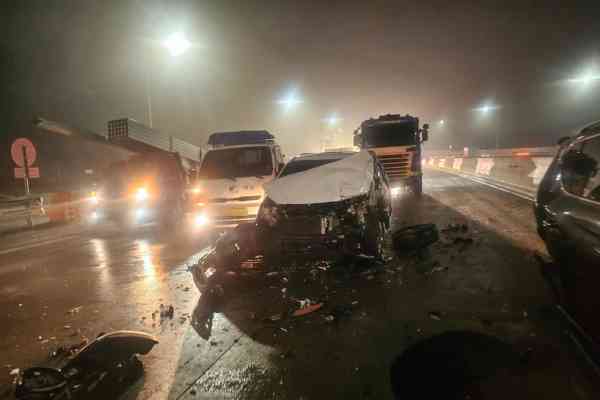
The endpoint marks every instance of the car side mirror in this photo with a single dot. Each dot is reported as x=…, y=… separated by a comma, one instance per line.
x=425, y=133
x=356, y=140
x=280, y=167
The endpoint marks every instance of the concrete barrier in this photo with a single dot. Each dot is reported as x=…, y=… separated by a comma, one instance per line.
x=518, y=171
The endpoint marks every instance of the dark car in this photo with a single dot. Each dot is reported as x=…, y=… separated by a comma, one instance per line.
x=567, y=210
x=326, y=205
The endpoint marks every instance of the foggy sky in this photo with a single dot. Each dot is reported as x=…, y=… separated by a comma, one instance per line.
x=86, y=62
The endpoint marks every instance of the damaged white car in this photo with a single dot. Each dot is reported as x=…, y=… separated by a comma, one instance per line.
x=327, y=205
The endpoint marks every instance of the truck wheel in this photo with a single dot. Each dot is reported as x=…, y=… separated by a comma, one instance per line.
x=374, y=237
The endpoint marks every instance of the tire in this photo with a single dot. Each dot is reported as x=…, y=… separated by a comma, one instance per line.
x=374, y=237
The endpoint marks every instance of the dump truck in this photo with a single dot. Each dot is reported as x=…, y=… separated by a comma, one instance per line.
x=397, y=141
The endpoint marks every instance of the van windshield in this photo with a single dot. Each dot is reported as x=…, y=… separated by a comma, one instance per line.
x=237, y=163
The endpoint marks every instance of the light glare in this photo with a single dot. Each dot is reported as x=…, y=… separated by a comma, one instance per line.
x=290, y=101
x=141, y=194
x=177, y=44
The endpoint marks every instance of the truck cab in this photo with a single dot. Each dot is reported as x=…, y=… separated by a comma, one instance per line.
x=232, y=173
x=396, y=141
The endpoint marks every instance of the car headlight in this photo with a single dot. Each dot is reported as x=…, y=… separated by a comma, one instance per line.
x=94, y=198
x=395, y=191
x=200, y=220
x=268, y=212
x=196, y=190
x=141, y=194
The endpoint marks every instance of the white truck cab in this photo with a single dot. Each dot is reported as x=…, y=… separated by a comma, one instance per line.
x=232, y=173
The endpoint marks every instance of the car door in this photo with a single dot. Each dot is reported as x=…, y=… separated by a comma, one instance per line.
x=581, y=182
x=577, y=212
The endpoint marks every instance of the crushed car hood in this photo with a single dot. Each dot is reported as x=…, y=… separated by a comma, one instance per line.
x=349, y=177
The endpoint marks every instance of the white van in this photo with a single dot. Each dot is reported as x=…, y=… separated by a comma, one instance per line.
x=231, y=177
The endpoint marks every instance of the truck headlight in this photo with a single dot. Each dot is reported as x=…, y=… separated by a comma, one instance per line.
x=268, y=212
x=141, y=194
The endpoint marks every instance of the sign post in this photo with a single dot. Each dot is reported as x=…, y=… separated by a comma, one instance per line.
x=26, y=166
x=24, y=154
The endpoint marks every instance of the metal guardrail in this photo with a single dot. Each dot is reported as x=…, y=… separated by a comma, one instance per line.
x=14, y=209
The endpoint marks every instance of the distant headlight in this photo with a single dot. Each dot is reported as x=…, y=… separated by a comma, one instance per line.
x=196, y=190
x=94, y=198
x=200, y=220
x=395, y=191
x=141, y=194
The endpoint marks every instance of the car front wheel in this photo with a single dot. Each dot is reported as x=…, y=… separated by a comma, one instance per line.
x=374, y=237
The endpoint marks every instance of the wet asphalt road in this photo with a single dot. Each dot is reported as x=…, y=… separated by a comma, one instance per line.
x=61, y=285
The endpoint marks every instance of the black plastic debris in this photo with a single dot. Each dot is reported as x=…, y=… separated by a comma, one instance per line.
x=102, y=369
x=231, y=250
x=415, y=237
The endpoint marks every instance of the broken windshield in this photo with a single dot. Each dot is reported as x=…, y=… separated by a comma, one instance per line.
x=237, y=163
x=294, y=167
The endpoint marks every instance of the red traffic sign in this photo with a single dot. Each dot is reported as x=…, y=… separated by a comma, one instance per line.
x=34, y=172
x=16, y=151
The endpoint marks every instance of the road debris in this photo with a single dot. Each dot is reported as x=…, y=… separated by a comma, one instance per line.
x=166, y=312
x=435, y=315
x=307, y=309
x=415, y=237
x=75, y=310
x=101, y=369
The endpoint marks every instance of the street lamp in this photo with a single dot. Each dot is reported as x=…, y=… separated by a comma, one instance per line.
x=485, y=110
x=290, y=101
x=176, y=44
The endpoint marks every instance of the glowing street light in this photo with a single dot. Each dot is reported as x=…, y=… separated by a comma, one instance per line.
x=332, y=120
x=487, y=108
x=177, y=44
x=584, y=79
x=290, y=101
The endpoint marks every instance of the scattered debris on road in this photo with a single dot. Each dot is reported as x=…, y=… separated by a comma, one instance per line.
x=307, y=309
x=100, y=369
x=435, y=315
x=415, y=237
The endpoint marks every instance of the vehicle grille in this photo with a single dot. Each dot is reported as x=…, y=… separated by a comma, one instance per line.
x=225, y=200
x=396, y=165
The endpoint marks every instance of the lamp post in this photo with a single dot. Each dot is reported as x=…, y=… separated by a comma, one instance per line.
x=176, y=44
x=485, y=111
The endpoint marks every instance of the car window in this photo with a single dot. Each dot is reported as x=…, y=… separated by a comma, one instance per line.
x=591, y=148
x=580, y=169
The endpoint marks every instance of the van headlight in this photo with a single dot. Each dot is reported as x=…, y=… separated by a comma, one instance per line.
x=268, y=212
